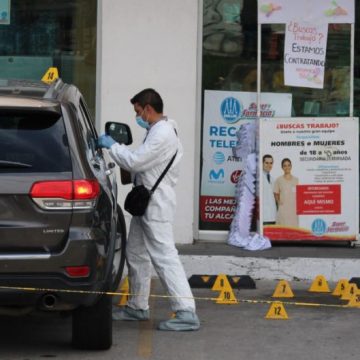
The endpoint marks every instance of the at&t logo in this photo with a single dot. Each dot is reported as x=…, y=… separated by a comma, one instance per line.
x=231, y=110
x=219, y=157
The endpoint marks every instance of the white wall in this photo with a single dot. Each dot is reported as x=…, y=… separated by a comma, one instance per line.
x=152, y=44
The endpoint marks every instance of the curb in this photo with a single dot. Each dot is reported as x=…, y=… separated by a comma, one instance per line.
x=292, y=268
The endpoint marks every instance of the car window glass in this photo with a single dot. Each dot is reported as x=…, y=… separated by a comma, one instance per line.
x=92, y=139
x=84, y=108
x=33, y=142
x=88, y=129
x=87, y=135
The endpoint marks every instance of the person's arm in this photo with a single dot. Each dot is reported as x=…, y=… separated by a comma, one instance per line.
x=277, y=198
x=276, y=191
x=151, y=153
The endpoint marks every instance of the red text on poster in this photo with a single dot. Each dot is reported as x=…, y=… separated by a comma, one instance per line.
x=318, y=199
x=217, y=208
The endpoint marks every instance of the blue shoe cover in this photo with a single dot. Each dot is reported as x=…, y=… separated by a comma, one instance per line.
x=183, y=321
x=129, y=314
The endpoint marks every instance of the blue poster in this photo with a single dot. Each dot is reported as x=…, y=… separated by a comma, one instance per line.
x=5, y=12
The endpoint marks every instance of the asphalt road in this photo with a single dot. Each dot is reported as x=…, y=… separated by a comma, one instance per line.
x=228, y=331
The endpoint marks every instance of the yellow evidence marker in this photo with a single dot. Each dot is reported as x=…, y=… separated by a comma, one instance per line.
x=226, y=292
x=227, y=297
x=354, y=301
x=340, y=287
x=51, y=75
x=124, y=289
x=277, y=311
x=220, y=282
x=283, y=290
x=320, y=285
x=350, y=291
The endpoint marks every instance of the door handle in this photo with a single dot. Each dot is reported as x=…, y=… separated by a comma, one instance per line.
x=96, y=165
x=109, y=169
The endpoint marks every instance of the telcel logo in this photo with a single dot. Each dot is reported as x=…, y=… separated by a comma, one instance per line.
x=216, y=175
x=231, y=110
x=318, y=227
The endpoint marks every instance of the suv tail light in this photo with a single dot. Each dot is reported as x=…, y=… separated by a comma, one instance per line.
x=65, y=194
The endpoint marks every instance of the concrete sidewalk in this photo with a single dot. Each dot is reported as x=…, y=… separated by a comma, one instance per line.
x=282, y=261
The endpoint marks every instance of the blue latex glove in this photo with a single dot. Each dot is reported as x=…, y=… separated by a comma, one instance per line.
x=105, y=141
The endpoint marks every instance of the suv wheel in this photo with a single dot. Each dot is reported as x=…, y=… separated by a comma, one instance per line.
x=92, y=325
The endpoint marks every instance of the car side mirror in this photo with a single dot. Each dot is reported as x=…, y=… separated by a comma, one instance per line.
x=120, y=132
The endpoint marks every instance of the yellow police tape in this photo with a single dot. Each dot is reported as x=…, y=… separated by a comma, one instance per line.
x=110, y=293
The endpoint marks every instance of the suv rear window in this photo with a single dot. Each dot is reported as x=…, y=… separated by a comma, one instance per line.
x=33, y=142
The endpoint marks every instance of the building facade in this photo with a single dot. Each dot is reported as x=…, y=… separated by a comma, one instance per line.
x=183, y=48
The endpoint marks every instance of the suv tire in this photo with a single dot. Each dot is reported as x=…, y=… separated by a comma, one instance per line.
x=92, y=325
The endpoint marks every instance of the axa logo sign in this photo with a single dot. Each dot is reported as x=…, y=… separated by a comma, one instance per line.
x=217, y=175
x=318, y=227
x=231, y=110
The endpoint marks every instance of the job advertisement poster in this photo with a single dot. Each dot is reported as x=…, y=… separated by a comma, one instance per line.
x=224, y=112
x=304, y=54
x=314, y=178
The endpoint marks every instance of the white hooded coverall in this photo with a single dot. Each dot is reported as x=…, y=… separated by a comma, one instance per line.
x=150, y=236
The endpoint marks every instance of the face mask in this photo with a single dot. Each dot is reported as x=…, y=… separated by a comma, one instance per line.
x=142, y=123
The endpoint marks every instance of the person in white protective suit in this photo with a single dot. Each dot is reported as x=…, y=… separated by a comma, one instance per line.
x=151, y=236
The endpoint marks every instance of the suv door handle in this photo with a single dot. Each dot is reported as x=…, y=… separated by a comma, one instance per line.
x=96, y=165
x=109, y=168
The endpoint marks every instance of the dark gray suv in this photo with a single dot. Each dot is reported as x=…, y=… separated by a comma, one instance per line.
x=62, y=234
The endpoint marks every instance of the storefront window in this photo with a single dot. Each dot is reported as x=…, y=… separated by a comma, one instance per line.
x=229, y=45
x=44, y=33
x=230, y=65
x=333, y=99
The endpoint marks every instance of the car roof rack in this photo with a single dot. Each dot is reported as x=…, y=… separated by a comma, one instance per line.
x=22, y=87
x=54, y=89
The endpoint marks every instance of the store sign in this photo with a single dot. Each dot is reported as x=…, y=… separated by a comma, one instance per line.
x=224, y=112
x=5, y=12
x=318, y=198
x=304, y=54
x=317, y=12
